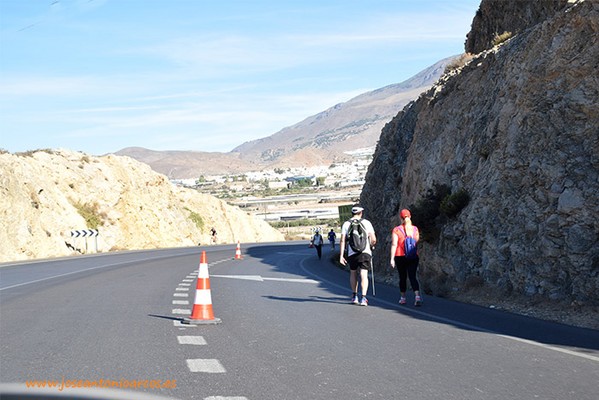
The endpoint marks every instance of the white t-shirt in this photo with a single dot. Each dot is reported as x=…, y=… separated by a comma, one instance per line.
x=369, y=229
x=317, y=239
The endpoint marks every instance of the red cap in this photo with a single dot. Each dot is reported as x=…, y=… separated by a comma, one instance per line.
x=405, y=213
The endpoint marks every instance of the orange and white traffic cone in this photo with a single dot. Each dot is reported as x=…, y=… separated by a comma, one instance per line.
x=202, y=306
x=238, y=251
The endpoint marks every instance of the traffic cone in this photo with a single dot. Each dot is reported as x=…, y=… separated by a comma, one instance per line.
x=238, y=252
x=202, y=306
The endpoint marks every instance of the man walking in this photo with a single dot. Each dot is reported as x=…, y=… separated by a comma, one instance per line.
x=332, y=238
x=317, y=241
x=357, y=234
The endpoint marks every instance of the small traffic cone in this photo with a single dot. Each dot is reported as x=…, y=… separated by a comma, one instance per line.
x=238, y=252
x=202, y=306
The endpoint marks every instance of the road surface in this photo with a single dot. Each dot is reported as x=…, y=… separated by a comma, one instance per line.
x=287, y=332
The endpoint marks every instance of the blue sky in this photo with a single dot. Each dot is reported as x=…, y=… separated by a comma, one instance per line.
x=100, y=75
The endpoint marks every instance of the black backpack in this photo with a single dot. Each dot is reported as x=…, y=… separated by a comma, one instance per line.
x=357, y=237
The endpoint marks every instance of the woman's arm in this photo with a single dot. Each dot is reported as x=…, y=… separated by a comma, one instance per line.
x=394, y=240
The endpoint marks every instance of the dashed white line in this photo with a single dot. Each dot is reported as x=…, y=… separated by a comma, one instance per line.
x=210, y=366
x=226, y=398
x=185, y=284
x=180, y=294
x=182, y=289
x=181, y=302
x=195, y=340
x=181, y=325
x=181, y=311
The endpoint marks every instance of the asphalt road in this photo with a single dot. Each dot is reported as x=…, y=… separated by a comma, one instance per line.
x=287, y=332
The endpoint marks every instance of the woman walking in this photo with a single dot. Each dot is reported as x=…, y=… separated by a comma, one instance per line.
x=404, y=255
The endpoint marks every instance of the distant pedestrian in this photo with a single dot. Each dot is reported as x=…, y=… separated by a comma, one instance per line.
x=317, y=241
x=332, y=238
x=404, y=258
x=213, y=236
x=358, y=260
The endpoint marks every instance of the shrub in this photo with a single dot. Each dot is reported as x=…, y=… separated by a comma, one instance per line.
x=432, y=211
x=90, y=214
x=196, y=219
x=30, y=153
x=425, y=212
x=458, y=63
x=498, y=39
x=454, y=203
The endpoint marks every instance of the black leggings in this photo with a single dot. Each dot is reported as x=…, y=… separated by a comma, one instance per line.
x=318, y=250
x=407, y=267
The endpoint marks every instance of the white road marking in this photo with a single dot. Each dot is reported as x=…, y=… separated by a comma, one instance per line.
x=226, y=398
x=182, y=289
x=187, y=280
x=210, y=366
x=75, y=272
x=461, y=324
x=244, y=277
x=180, y=294
x=259, y=278
x=181, y=311
x=180, y=324
x=195, y=340
x=181, y=302
x=185, y=284
x=303, y=280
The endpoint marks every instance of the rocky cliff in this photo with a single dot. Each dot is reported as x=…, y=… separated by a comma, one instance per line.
x=47, y=194
x=494, y=17
x=516, y=131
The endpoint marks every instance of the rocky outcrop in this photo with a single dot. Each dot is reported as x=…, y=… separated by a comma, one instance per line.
x=518, y=129
x=47, y=194
x=494, y=17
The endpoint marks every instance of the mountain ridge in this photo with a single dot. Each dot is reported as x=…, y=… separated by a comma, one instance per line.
x=320, y=139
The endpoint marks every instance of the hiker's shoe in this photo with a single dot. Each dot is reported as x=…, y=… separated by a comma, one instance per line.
x=418, y=301
x=402, y=301
x=354, y=300
x=364, y=301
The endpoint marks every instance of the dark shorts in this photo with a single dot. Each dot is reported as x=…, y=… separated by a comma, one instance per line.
x=362, y=261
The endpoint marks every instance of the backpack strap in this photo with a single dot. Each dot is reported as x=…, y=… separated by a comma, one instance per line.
x=403, y=230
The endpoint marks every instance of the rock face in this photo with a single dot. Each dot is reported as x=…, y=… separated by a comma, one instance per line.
x=495, y=17
x=518, y=129
x=45, y=195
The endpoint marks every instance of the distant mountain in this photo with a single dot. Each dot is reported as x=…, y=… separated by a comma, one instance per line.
x=189, y=164
x=354, y=124
x=318, y=140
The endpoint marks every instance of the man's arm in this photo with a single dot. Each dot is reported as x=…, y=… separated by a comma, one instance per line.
x=342, y=250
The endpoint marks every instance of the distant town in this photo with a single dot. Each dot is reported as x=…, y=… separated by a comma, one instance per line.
x=291, y=193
